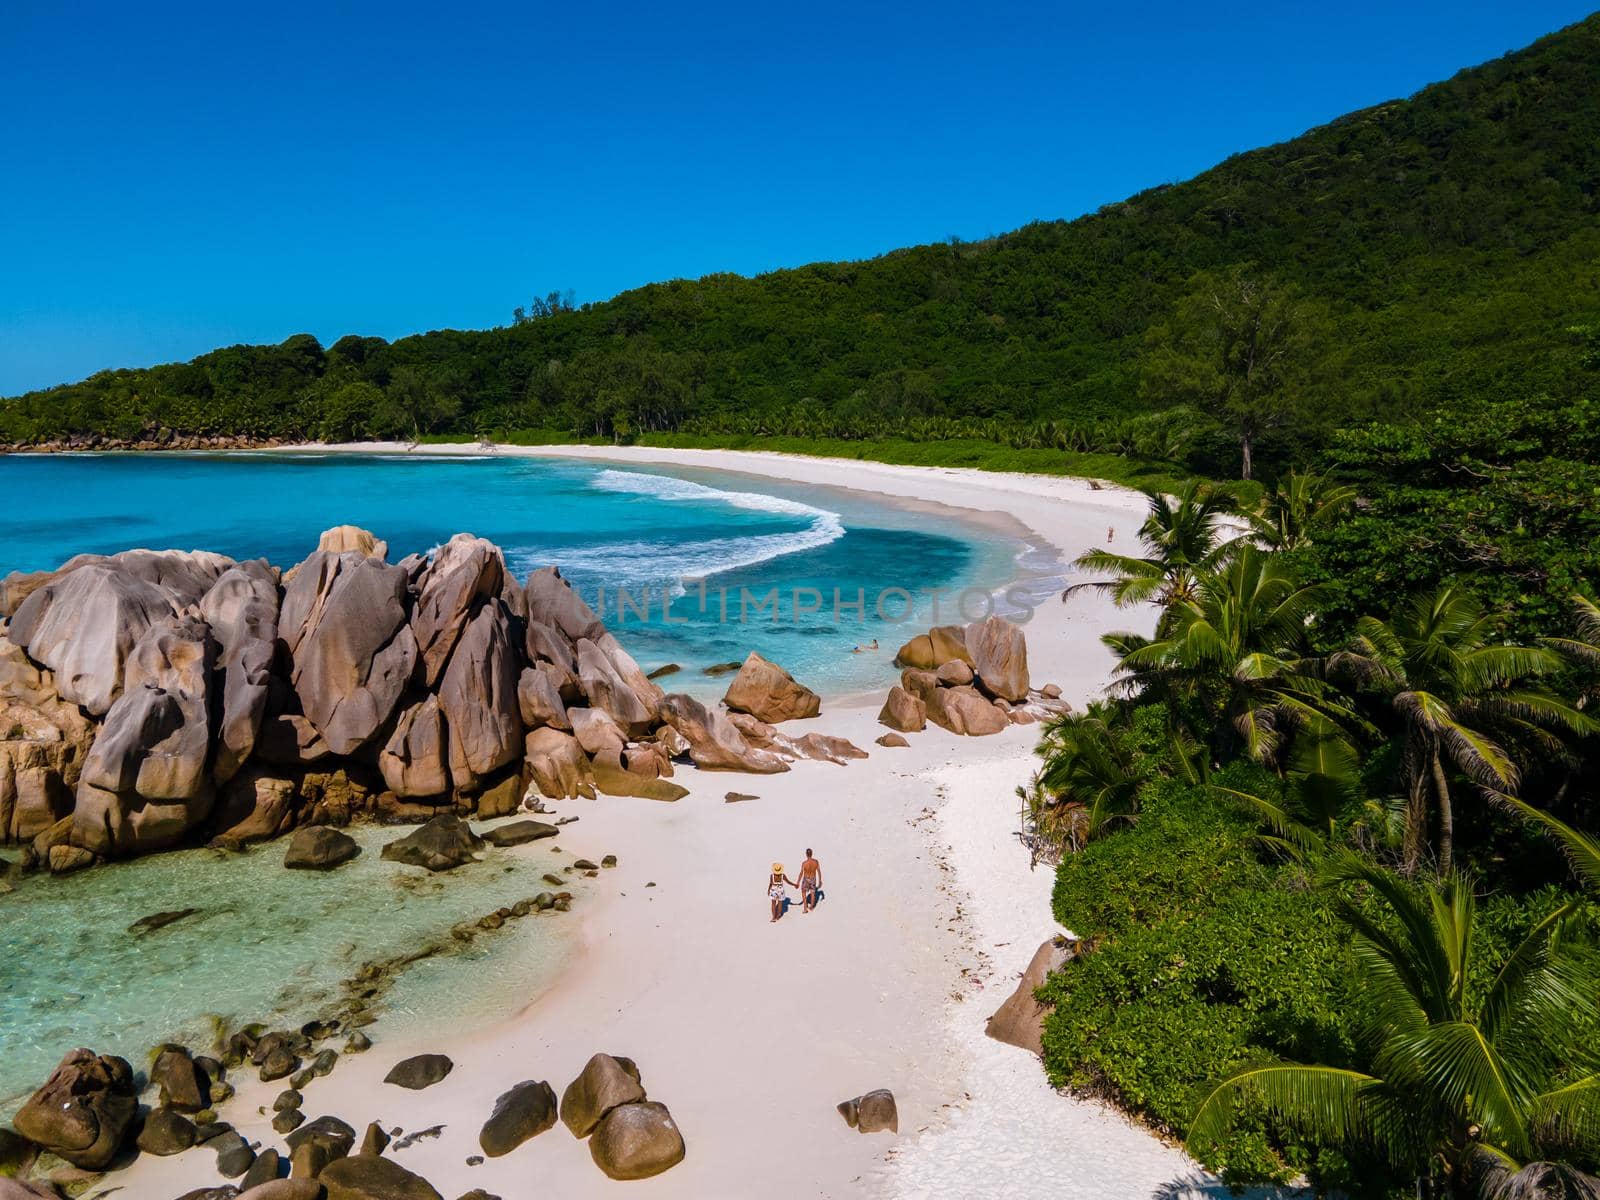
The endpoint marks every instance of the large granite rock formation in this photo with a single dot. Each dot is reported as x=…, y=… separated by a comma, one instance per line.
x=344, y=625
x=152, y=699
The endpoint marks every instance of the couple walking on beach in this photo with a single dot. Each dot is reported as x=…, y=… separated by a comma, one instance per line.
x=810, y=885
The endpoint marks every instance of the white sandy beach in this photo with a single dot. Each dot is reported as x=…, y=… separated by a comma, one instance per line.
x=752, y=1032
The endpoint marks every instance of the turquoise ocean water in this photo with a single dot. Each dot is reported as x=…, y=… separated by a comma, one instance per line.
x=643, y=533
x=271, y=944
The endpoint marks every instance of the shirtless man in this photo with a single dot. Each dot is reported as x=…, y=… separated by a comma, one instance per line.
x=810, y=882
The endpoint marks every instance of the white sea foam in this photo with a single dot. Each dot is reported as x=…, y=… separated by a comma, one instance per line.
x=653, y=561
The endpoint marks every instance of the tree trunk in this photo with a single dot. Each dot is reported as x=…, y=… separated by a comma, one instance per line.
x=1416, y=832
x=1447, y=820
x=1246, y=465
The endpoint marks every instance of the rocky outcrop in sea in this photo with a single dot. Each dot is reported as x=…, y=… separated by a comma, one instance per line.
x=155, y=699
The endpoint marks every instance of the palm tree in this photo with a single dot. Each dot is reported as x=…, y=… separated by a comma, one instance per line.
x=1453, y=1080
x=1440, y=672
x=1181, y=535
x=1236, y=646
x=1295, y=507
x=1089, y=783
x=1584, y=648
x=1319, y=789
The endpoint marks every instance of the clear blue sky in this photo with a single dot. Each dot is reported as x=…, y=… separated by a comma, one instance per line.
x=175, y=178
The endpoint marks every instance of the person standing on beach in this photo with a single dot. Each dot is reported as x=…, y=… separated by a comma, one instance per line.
x=810, y=882
x=775, y=885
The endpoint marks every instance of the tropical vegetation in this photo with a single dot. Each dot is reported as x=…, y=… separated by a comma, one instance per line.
x=1310, y=863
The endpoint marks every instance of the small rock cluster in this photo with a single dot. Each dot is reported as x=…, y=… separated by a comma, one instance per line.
x=630, y=1136
x=969, y=679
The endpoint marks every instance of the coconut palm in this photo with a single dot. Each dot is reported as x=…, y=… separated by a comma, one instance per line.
x=1320, y=788
x=1089, y=783
x=1452, y=687
x=1451, y=1079
x=1584, y=647
x=1182, y=534
x=1235, y=646
x=1299, y=503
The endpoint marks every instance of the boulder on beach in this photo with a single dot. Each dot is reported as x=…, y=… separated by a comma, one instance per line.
x=413, y=760
x=715, y=743
x=539, y=698
x=612, y=778
x=83, y=624
x=964, y=710
x=917, y=654
x=999, y=657
x=319, y=848
x=166, y=1132
x=442, y=844
x=872, y=1112
x=353, y=653
x=373, y=1178
x=464, y=573
x=608, y=692
x=769, y=693
x=904, y=712
x=419, y=1071
x=596, y=730
x=551, y=601
x=525, y=1111
x=183, y=1084
x=954, y=673
x=1020, y=1020
x=605, y=1082
x=242, y=610
x=557, y=765
x=892, y=741
x=84, y=1111
x=253, y=807
x=145, y=782
x=330, y=1135
x=352, y=539
x=478, y=697
x=636, y=1141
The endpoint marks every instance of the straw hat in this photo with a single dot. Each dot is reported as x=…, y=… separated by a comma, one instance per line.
x=777, y=868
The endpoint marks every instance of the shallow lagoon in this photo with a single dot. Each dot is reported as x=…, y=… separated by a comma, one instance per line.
x=266, y=944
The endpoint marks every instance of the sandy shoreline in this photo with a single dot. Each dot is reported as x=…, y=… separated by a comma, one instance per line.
x=750, y=1032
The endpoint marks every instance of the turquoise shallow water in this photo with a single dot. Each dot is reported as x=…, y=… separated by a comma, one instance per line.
x=272, y=944
x=266, y=944
x=650, y=533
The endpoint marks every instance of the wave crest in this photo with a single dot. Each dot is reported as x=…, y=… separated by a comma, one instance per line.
x=654, y=561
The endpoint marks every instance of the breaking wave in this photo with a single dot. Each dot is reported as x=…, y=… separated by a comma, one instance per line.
x=656, y=561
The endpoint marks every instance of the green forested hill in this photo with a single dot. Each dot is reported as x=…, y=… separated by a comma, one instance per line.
x=1446, y=245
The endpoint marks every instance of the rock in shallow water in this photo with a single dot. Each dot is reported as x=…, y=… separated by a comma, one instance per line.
x=517, y=832
x=319, y=848
x=441, y=845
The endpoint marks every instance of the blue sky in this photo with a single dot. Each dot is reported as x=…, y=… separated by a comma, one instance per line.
x=175, y=178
